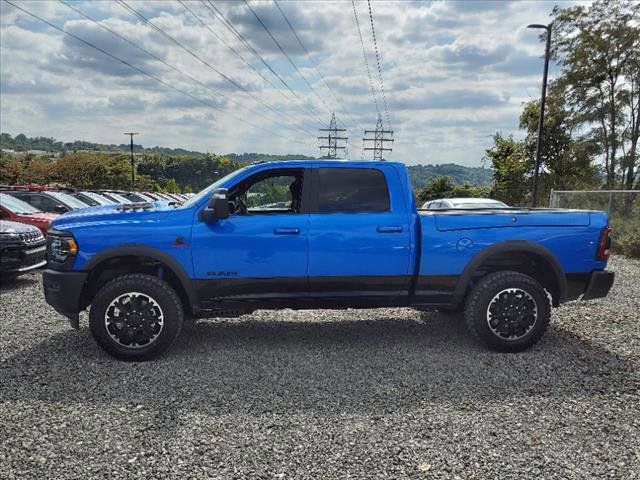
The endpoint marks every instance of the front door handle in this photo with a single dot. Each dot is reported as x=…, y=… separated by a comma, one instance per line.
x=390, y=229
x=286, y=231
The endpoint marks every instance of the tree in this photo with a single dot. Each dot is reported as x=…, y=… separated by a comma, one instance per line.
x=171, y=186
x=11, y=170
x=598, y=48
x=512, y=169
x=439, y=187
x=95, y=170
x=567, y=162
x=631, y=99
x=83, y=170
x=39, y=171
x=445, y=187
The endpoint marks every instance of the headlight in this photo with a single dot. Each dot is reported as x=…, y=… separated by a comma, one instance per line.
x=61, y=250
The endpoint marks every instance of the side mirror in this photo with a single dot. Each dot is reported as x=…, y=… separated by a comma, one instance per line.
x=61, y=209
x=217, y=208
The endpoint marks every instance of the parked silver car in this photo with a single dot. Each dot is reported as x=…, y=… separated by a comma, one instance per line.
x=463, y=203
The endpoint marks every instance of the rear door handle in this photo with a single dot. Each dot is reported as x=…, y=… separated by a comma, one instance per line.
x=286, y=231
x=390, y=229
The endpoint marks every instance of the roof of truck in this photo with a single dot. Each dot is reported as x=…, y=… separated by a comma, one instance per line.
x=369, y=163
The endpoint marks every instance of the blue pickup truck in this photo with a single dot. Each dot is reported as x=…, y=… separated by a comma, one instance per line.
x=318, y=234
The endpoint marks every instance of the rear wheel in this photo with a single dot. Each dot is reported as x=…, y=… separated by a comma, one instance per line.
x=507, y=311
x=136, y=317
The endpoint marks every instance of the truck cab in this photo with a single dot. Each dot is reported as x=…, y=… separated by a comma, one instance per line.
x=317, y=234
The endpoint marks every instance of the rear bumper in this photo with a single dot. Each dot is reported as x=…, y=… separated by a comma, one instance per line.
x=599, y=285
x=589, y=285
x=63, y=291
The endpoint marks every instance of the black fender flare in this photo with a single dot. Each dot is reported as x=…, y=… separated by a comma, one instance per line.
x=149, y=252
x=506, y=247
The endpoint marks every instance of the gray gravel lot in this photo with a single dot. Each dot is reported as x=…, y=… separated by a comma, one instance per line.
x=324, y=394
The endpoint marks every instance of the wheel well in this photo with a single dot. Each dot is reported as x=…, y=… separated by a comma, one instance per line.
x=528, y=263
x=114, y=267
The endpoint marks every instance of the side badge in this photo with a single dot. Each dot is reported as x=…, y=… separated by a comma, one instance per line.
x=464, y=244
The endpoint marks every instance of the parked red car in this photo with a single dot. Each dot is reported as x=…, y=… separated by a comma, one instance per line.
x=16, y=210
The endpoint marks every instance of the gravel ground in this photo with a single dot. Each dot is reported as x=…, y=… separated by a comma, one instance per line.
x=388, y=393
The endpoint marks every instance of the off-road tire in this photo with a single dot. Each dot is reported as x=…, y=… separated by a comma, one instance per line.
x=477, y=303
x=161, y=292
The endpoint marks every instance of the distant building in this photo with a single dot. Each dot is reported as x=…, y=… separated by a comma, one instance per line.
x=101, y=152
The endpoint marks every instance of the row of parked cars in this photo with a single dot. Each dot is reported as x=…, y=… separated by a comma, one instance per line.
x=27, y=211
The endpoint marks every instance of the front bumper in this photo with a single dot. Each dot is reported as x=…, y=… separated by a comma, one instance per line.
x=21, y=259
x=589, y=285
x=63, y=291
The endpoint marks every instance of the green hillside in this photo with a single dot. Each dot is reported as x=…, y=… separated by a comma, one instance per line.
x=420, y=174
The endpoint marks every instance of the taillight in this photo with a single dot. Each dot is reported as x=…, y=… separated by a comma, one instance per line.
x=604, y=244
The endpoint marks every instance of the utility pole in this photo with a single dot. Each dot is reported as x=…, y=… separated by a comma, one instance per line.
x=332, y=139
x=378, y=140
x=133, y=166
x=542, y=103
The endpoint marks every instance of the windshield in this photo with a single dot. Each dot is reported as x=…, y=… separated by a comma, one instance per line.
x=136, y=197
x=98, y=198
x=68, y=200
x=16, y=205
x=119, y=197
x=207, y=191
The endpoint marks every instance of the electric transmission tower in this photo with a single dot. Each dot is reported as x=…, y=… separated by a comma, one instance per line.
x=332, y=139
x=378, y=140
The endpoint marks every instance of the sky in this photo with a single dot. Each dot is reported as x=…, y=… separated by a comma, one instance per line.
x=453, y=74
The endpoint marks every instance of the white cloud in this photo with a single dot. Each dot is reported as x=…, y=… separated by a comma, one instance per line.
x=454, y=73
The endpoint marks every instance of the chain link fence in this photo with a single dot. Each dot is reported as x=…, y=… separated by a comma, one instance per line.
x=623, y=207
x=617, y=203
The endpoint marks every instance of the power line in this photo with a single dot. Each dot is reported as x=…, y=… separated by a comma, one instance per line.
x=286, y=55
x=143, y=72
x=375, y=45
x=223, y=41
x=364, y=55
x=315, y=66
x=230, y=47
x=172, y=67
x=196, y=56
x=240, y=37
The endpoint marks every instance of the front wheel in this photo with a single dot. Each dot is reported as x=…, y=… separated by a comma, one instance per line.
x=136, y=317
x=508, y=311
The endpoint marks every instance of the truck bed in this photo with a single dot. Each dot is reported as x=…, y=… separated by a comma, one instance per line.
x=451, y=238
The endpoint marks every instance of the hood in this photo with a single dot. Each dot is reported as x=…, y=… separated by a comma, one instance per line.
x=40, y=217
x=7, y=226
x=113, y=214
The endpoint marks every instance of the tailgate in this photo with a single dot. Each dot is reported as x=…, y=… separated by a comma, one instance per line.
x=464, y=221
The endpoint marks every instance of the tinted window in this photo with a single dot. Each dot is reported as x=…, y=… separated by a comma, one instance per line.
x=278, y=193
x=352, y=190
x=46, y=204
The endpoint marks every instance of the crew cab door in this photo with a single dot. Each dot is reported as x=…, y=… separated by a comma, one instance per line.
x=259, y=253
x=359, y=235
